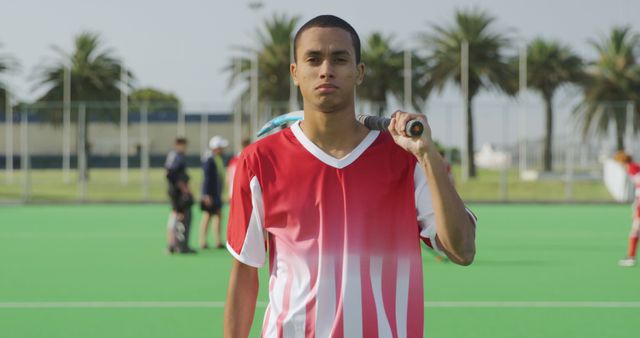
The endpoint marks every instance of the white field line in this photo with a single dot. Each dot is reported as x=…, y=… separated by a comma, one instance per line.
x=79, y=236
x=219, y=304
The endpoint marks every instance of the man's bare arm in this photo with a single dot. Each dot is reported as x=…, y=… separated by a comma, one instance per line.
x=241, y=300
x=455, y=231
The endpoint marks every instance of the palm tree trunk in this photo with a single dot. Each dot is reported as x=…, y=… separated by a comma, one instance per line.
x=620, y=127
x=87, y=149
x=548, y=156
x=83, y=139
x=470, y=141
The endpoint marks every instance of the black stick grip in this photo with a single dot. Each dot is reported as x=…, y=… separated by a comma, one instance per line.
x=413, y=128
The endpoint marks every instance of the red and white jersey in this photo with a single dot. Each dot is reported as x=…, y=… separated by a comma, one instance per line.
x=633, y=169
x=231, y=173
x=343, y=235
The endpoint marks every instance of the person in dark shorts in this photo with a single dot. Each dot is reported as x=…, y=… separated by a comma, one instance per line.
x=212, y=188
x=180, y=197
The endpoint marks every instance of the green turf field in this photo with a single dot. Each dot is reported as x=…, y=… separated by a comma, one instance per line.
x=47, y=185
x=100, y=271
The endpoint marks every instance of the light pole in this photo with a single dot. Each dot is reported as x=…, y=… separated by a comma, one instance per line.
x=237, y=114
x=8, y=125
x=408, y=77
x=255, y=6
x=124, y=125
x=522, y=89
x=66, y=125
x=293, y=89
x=464, y=83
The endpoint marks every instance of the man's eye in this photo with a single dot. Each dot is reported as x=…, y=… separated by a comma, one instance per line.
x=312, y=60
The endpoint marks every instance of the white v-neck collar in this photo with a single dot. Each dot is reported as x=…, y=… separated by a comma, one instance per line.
x=328, y=159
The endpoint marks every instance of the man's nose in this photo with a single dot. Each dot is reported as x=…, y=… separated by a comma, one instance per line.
x=326, y=70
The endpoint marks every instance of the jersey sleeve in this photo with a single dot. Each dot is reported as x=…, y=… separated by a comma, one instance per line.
x=424, y=208
x=425, y=212
x=245, y=230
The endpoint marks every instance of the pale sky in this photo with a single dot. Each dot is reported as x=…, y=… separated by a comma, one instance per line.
x=182, y=46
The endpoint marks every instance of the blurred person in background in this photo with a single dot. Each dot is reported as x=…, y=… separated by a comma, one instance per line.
x=180, y=197
x=212, y=191
x=633, y=169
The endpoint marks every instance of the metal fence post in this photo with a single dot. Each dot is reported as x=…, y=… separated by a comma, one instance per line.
x=124, y=127
x=204, y=131
x=24, y=150
x=66, y=127
x=181, y=122
x=82, y=151
x=568, y=188
x=8, y=125
x=144, y=161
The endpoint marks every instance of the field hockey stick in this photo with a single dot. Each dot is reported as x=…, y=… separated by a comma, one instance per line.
x=414, y=128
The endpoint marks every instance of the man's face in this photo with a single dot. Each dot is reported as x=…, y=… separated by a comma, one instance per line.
x=181, y=148
x=326, y=69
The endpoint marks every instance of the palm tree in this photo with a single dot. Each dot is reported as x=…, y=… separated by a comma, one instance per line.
x=7, y=64
x=550, y=65
x=95, y=77
x=488, y=66
x=384, y=74
x=95, y=73
x=612, y=81
x=273, y=52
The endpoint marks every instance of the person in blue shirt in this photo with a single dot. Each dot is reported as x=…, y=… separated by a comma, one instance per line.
x=212, y=191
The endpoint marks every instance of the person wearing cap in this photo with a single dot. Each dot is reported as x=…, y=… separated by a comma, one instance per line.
x=212, y=188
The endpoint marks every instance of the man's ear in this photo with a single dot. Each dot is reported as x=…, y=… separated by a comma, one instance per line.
x=360, y=73
x=294, y=73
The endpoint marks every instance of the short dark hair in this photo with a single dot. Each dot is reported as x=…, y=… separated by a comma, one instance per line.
x=328, y=21
x=181, y=140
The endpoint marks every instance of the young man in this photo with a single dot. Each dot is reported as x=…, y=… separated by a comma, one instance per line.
x=336, y=206
x=180, y=197
x=633, y=169
x=212, y=186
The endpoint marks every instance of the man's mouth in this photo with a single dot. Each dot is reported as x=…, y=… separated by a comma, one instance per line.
x=326, y=88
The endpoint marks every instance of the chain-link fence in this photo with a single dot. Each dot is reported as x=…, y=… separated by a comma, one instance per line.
x=96, y=151
x=93, y=151
x=510, y=147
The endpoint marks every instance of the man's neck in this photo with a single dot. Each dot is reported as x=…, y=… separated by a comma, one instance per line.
x=336, y=133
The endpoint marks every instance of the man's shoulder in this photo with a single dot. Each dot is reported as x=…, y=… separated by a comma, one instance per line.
x=391, y=150
x=172, y=157
x=269, y=145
